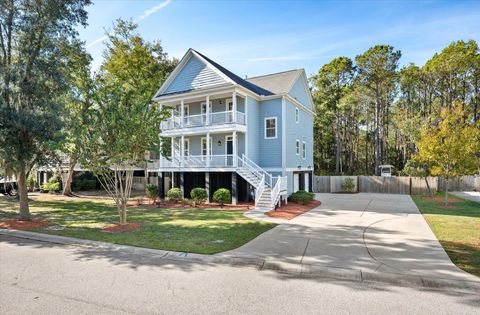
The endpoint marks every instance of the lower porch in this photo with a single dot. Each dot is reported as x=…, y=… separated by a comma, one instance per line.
x=240, y=189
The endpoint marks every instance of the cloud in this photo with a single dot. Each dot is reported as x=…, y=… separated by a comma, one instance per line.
x=145, y=14
x=154, y=9
x=98, y=40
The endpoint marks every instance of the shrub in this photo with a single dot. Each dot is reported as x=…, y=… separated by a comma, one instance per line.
x=152, y=191
x=52, y=186
x=222, y=196
x=84, y=184
x=175, y=194
x=302, y=197
x=348, y=185
x=199, y=195
x=32, y=180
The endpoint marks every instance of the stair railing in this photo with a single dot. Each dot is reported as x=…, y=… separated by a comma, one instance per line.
x=259, y=190
x=257, y=170
x=277, y=190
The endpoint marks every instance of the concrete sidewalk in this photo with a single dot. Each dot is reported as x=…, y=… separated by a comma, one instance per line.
x=368, y=233
x=470, y=195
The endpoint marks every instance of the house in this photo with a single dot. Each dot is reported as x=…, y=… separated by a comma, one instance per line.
x=252, y=136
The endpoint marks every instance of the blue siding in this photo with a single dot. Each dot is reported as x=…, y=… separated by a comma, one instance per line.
x=253, y=128
x=299, y=93
x=303, y=130
x=194, y=75
x=270, y=150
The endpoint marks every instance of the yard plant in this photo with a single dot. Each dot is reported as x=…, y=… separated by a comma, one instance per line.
x=152, y=191
x=348, y=184
x=222, y=196
x=199, y=195
x=302, y=197
x=175, y=194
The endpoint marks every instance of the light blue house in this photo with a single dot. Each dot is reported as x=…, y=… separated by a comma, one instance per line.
x=253, y=136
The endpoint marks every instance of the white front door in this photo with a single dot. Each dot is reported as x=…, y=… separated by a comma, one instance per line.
x=296, y=180
x=307, y=182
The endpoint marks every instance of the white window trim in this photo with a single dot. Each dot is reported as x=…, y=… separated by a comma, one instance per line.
x=265, y=128
x=304, y=149
x=186, y=140
x=202, y=139
x=297, y=147
x=226, y=104
x=297, y=115
x=203, y=104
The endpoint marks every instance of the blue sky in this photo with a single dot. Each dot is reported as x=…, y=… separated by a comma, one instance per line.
x=259, y=37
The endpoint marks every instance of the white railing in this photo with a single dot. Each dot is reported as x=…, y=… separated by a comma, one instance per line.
x=221, y=160
x=279, y=189
x=257, y=170
x=215, y=118
x=259, y=190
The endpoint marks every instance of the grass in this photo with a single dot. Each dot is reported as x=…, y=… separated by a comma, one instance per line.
x=457, y=229
x=205, y=231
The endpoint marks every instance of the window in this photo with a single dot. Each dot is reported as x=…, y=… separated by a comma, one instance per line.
x=204, y=147
x=297, y=146
x=229, y=105
x=304, y=147
x=297, y=115
x=186, y=148
x=270, y=127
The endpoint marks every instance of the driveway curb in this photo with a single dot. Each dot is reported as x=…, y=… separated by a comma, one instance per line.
x=302, y=270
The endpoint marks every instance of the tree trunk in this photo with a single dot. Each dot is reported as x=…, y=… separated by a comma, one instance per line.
x=123, y=212
x=446, y=191
x=67, y=185
x=337, y=144
x=23, y=194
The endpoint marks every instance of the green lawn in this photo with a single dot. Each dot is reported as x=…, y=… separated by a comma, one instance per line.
x=457, y=229
x=205, y=231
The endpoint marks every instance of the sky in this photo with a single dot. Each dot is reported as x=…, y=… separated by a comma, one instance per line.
x=259, y=37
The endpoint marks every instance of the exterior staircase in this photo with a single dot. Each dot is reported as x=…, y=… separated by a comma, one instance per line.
x=267, y=189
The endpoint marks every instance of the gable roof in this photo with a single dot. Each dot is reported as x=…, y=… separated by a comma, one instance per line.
x=245, y=83
x=278, y=83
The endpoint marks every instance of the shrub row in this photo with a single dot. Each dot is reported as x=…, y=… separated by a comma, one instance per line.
x=84, y=184
x=302, y=197
x=221, y=196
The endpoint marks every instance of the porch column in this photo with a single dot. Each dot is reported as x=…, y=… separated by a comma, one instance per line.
x=234, y=188
x=161, y=188
x=234, y=140
x=234, y=106
x=173, y=180
x=182, y=112
x=182, y=185
x=182, y=149
x=172, y=153
x=161, y=144
x=208, y=149
x=207, y=185
x=207, y=110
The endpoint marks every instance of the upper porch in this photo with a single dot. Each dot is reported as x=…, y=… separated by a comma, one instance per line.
x=189, y=115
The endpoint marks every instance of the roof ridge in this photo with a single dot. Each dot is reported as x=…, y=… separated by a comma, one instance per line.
x=275, y=73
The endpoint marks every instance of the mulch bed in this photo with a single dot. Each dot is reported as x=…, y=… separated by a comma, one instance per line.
x=179, y=205
x=442, y=199
x=118, y=228
x=23, y=225
x=292, y=210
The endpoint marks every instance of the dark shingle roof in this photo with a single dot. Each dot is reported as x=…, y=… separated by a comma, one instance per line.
x=248, y=85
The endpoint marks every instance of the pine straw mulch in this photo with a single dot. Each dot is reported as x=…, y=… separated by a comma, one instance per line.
x=118, y=228
x=23, y=225
x=442, y=199
x=292, y=210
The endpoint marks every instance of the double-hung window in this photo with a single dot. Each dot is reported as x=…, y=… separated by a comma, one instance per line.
x=270, y=127
x=304, y=151
x=297, y=147
x=297, y=115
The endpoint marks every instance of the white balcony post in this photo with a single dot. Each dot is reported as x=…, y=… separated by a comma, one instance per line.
x=234, y=106
x=173, y=151
x=182, y=113
x=207, y=110
x=208, y=149
x=182, y=149
x=160, y=148
x=234, y=140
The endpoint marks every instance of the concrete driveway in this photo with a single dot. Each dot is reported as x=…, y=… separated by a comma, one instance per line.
x=470, y=195
x=367, y=232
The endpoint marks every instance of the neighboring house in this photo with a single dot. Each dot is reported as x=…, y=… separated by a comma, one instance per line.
x=253, y=136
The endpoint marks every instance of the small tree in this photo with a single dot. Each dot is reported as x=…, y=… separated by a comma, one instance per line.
x=348, y=185
x=222, y=196
x=199, y=195
x=152, y=191
x=451, y=148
